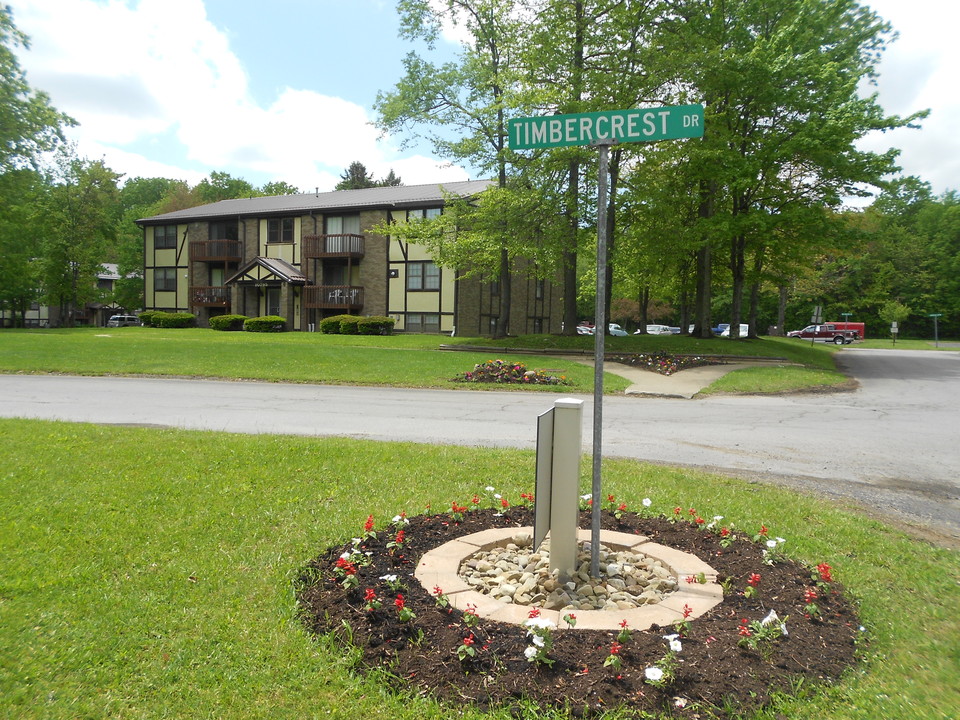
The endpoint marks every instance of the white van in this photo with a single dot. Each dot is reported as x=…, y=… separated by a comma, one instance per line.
x=744, y=331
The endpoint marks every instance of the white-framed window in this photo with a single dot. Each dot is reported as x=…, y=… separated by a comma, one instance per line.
x=423, y=276
x=342, y=224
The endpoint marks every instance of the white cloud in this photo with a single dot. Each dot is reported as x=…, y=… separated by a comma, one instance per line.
x=158, y=71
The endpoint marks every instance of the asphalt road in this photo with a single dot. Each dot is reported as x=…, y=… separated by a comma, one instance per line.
x=891, y=447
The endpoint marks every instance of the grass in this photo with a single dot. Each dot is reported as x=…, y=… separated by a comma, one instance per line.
x=396, y=360
x=150, y=573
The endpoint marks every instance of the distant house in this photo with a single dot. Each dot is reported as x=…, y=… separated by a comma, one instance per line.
x=306, y=257
x=91, y=314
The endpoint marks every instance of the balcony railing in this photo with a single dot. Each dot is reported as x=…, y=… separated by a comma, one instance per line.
x=210, y=295
x=344, y=245
x=333, y=296
x=216, y=251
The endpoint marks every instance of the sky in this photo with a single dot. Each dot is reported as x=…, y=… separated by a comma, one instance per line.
x=285, y=90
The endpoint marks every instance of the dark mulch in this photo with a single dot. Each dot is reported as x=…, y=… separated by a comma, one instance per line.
x=665, y=363
x=714, y=671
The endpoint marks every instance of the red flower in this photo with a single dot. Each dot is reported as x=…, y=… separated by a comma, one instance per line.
x=475, y=500
x=724, y=532
x=368, y=525
x=504, y=503
x=763, y=530
x=610, y=498
x=691, y=511
x=687, y=611
x=824, y=571
x=437, y=590
x=623, y=623
x=753, y=580
x=744, y=630
x=622, y=506
x=534, y=612
x=615, y=648
x=809, y=595
x=468, y=641
x=399, y=601
x=400, y=537
x=676, y=511
x=369, y=595
x=699, y=520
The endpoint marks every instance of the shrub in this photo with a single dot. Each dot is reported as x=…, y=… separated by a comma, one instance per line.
x=227, y=322
x=267, y=323
x=146, y=317
x=173, y=320
x=348, y=324
x=331, y=325
x=375, y=325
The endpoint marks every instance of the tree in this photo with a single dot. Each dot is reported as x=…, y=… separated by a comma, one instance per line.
x=463, y=107
x=20, y=242
x=356, y=177
x=79, y=222
x=29, y=125
x=223, y=186
x=278, y=187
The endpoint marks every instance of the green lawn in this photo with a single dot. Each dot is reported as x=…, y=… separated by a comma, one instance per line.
x=149, y=573
x=398, y=360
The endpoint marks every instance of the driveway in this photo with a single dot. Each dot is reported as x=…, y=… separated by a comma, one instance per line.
x=890, y=447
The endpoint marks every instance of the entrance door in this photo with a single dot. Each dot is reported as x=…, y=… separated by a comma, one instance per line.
x=273, y=301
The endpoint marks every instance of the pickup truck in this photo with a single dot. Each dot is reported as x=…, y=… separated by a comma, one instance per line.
x=826, y=333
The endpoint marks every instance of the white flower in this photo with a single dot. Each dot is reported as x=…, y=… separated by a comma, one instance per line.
x=783, y=629
x=653, y=674
x=497, y=495
x=389, y=578
x=679, y=702
x=675, y=646
x=539, y=641
x=346, y=556
x=489, y=488
x=541, y=623
x=780, y=540
x=771, y=617
x=771, y=544
x=647, y=502
x=717, y=518
x=357, y=541
x=530, y=653
x=671, y=636
x=585, y=497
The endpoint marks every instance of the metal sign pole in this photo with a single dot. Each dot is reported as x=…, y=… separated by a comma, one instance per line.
x=599, y=333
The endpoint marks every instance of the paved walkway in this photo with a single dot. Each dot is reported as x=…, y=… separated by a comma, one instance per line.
x=683, y=384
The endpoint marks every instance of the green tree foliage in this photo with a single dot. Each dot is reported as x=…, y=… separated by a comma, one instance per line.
x=20, y=242
x=223, y=186
x=356, y=177
x=80, y=216
x=29, y=125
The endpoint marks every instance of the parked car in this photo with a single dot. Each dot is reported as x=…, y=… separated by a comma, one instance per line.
x=744, y=331
x=657, y=330
x=718, y=330
x=585, y=328
x=123, y=321
x=617, y=330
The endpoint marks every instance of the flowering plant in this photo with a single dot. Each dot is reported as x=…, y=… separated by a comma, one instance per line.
x=368, y=531
x=439, y=597
x=764, y=631
x=404, y=614
x=624, y=635
x=752, y=582
x=467, y=649
x=371, y=600
x=570, y=619
x=683, y=626
x=811, y=609
x=540, y=632
x=393, y=582
x=346, y=571
x=470, y=617
x=613, y=659
x=498, y=371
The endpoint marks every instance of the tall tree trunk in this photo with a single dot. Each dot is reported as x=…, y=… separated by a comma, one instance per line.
x=644, y=304
x=782, y=309
x=755, y=292
x=708, y=191
x=738, y=273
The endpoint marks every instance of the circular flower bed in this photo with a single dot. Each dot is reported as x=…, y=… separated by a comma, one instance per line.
x=498, y=371
x=664, y=363
x=780, y=623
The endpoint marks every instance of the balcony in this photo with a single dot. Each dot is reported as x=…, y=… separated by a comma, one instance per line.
x=347, y=245
x=335, y=297
x=216, y=251
x=209, y=296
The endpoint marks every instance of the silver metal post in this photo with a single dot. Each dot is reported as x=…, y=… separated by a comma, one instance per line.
x=599, y=334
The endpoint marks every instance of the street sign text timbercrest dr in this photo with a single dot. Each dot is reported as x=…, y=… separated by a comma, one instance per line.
x=636, y=125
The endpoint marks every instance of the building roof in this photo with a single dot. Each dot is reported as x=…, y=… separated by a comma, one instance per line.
x=345, y=200
x=267, y=269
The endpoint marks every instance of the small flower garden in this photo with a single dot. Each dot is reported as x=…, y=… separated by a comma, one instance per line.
x=664, y=363
x=780, y=625
x=498, y=371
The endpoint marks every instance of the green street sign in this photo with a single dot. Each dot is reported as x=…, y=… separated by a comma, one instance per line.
x=636, y=125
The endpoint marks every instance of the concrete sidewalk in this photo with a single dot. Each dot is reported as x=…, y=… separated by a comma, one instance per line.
x=683, y=384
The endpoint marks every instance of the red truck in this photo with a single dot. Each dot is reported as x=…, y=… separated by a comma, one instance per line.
x=828, y=332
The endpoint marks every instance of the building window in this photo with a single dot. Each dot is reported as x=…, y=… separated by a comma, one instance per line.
x=428, y=213
x=342, y=224
x=422, y=322
x=224, y=230
x=538, y=326
x=165, y=280
x=164, y=237
x=538, y=289
x=280, y=230
x=423, y=276
x=494, y=287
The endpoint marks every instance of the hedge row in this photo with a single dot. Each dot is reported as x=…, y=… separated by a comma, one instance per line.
x=160, y=319
x=355, y=325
